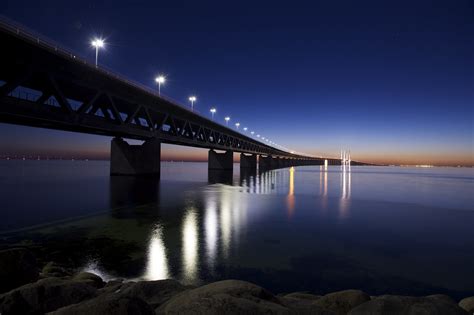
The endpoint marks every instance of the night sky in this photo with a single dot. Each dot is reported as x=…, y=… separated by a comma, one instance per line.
x=392, y=81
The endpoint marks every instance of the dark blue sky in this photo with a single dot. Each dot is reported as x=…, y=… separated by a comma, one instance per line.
x=391, y=80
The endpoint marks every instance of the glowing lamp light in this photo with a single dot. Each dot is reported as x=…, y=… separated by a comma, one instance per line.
x=97, y=43
x=160, y=80
x=192, y=99
x=227, y=120
x=237, y=125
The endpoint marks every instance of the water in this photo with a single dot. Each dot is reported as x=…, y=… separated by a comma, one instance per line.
x=380, y=229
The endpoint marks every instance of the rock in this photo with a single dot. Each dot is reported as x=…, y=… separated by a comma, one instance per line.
x=44, y=295
x=302, y=296
x=52, y=269
x=115, y=287
x=17, y=267
x=468, y=304
x=342, y=302
x=394, y=304
x=224, y=297
x=108, y=305
x=89, y=278
x=442, y=297
x=154, y=293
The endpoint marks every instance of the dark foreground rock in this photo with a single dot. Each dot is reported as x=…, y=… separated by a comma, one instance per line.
x=395, y=304
x=87, y=293
x=467, y=304
x=224, y=297
x=343, y=301
x=17, y=267
x=44, y=296
x=52, y=269
x=89, y=278
x=108, y=305
x=155, y=293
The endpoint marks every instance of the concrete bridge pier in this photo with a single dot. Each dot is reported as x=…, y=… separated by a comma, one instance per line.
x=277, y=162
x=248, y=161
x=135, y=160
x=221, y=161
x=264, y=162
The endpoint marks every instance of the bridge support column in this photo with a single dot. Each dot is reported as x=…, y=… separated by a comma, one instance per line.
x=221, y=161
x=135, y=160
x=264, y=162
x=276, y=162
x=248, y=161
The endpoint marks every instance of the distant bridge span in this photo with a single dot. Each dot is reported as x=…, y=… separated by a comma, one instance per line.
x=43, y=85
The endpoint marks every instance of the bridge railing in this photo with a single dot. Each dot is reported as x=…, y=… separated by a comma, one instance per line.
x=39, y=39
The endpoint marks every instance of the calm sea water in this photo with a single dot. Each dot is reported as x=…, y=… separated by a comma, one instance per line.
x=380, y=229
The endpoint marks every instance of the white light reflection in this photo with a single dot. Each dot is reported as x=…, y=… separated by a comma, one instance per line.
x=211, y=228
x=190, y=245
x=290, y=199
x=344, y=203
x=225, y=221
x=157, y=265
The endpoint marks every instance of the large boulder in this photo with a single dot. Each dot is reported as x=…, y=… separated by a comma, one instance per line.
x=53, y=269
x=17, y=267
x=394, y=304
x=154, y=293
x=224, y=297
x=468, y=304
x=89, y=278
x=303, y=303
x=342, y=302
x=302, y=296
x=44, y=296
x=108, y=305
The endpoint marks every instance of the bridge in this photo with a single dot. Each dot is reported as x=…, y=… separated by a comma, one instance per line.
x=44, y=85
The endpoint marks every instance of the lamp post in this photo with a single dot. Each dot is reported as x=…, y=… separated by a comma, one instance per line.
x=97, y=43
x=227, y=120
x=237, y=125
x=245, y=128
x=160, y=80
x=192, y=99
x=213, y=111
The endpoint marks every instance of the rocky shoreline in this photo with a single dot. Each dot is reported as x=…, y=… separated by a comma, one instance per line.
x=56, y=290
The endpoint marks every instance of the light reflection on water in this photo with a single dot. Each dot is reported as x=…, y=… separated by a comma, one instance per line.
x=190, y=245
x=157, y=263
x=326, y=226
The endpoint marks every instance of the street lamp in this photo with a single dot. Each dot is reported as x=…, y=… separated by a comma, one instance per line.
x=97, y=43
x=192, y=99
x=252, y=132
x=227, y=120
x=245, y=128
x=237, y=125
x=213, y=111
x=160, y=80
